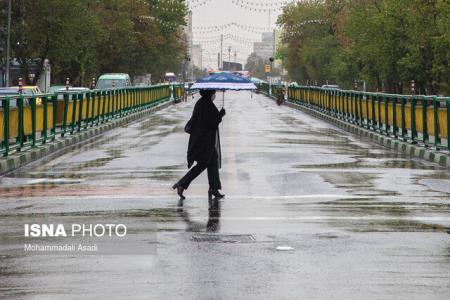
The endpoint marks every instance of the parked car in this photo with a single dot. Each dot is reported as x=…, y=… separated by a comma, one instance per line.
x=55, y=88
x=7, y=91
x=4, y=92
x=71, y=90
x=27, y=92
x=30, y=90
x=112, y=80
x=330, y=86
x=170, y=77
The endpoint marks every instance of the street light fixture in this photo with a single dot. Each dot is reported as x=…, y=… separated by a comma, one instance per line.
x=271, y=59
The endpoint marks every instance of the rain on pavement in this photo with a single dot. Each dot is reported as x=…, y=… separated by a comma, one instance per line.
x=316, y=213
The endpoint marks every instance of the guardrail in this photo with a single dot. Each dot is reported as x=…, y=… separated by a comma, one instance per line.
x=264, y=88
x=182, y=91
x=270, y=90
x=192, y=92
x=26, y=121
x=178, y=91
x=414, y=119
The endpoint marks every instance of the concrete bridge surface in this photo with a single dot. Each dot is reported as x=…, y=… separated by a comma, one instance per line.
x=311, y=212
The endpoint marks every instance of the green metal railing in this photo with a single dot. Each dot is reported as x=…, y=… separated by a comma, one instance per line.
x=417, y=119
x=26, y=121
x=178, y=91
x=264, y=87
x=270, y=90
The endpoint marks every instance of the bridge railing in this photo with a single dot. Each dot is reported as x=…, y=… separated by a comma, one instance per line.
x=26, y=121
x=264, y=87
x=412, y=118
x=178, y=91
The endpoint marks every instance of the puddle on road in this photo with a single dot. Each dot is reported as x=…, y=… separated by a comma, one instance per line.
x=332, y=235
x=91, y=164
x=223, y=238
x=160, y=122
x=398, y=226
x=312, y=143
x=373, y=215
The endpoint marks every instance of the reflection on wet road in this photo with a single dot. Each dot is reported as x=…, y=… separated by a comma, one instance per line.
x=363, y=222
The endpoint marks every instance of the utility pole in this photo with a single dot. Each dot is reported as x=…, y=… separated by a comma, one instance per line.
x=229, y=56
x=221, y=51
x=8, y=43
x=218, y=61
x=274, y=44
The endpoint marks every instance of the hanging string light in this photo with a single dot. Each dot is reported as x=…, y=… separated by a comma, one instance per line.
x=197, y=3
x=234, y=44
x=218, y=28
x=262, y=6
x=218, y=40
x=162, y=7
x=244, y=48
x=257, y=6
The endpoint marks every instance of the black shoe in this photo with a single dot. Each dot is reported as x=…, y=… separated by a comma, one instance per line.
x=180, y=190
x=216, y=195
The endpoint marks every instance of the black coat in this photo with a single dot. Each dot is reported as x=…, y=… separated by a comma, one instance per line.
x=204, y=141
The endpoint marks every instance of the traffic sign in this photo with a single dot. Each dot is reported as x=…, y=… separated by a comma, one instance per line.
x=267, y=68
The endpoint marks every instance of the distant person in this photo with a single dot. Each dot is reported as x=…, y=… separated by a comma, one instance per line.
x=204, y=145
x=280, y=96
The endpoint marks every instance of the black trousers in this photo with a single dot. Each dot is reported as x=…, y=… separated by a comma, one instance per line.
x=213, y=174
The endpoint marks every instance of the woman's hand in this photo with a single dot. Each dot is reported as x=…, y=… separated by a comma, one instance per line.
x=222, y=112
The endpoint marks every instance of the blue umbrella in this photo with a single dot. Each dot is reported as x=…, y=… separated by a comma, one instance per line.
x=223, y=81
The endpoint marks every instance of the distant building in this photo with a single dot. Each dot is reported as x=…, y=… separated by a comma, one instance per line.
x=265, y=48
x=232, y=66
x=197, y=56
x=268, y=47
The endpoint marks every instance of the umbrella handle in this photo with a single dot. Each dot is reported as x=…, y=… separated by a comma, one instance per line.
x=223, y=102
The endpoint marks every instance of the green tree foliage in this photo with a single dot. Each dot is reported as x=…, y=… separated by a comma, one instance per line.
x=84, y=38
x=386, y=43
x=169, y=14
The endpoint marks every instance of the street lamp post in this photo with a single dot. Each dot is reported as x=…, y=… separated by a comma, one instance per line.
x=271, y=59
x=229, y=56
x=221, y=51
x=8, y=42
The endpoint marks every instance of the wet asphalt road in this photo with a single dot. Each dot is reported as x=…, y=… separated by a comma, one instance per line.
x=361, y=222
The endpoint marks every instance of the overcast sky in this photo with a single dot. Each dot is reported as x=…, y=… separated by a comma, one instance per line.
x=218, y=12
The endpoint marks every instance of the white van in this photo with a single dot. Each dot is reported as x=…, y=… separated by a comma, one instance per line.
x=113, y=80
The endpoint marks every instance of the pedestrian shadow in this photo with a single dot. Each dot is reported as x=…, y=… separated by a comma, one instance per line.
x=213, y=223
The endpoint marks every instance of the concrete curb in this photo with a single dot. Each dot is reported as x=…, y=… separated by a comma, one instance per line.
x=386, y=141
x=21, y=159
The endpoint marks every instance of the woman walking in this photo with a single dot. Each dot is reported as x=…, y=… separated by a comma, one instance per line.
x=204, y=145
